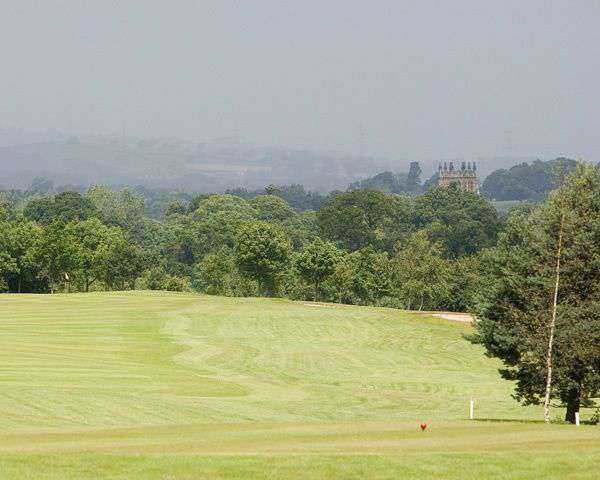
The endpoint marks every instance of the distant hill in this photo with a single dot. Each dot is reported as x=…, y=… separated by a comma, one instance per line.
x=210, y=166
x=215, y=165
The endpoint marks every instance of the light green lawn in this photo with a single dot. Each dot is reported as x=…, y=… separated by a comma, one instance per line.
x=177, y=386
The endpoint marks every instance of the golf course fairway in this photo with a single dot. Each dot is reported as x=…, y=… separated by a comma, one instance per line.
x=147, y=385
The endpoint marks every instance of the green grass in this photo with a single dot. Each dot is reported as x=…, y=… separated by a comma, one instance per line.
x=177, y=386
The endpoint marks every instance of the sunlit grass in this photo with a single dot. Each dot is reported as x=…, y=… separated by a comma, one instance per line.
x=151, y=385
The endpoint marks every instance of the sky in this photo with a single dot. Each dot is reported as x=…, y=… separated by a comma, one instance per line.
x=398, y=79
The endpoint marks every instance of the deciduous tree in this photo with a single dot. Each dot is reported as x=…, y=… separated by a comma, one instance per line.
x=316, y=262
x=362, y=218
x=262, y=251
x=462, y=221
x=421, y=275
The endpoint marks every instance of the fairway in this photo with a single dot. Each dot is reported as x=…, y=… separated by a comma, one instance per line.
x=179, y=386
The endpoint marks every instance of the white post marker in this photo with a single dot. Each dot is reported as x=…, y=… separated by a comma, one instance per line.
x=471, y=408
x=577, y=418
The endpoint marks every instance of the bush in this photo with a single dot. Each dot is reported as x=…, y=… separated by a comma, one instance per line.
x=390, y=302
x=176, y=284
x=158, y=279
x=293, y=287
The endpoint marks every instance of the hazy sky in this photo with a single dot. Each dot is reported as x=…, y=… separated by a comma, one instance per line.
x=423, y=78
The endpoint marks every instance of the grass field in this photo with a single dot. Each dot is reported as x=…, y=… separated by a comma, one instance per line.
x=176, y=386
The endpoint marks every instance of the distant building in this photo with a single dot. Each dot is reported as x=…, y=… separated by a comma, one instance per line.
x=466, y=177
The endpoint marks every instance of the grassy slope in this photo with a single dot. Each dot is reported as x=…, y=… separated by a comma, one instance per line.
x=178, y=386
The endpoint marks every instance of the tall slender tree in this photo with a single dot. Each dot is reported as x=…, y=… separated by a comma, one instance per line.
x=552, y=327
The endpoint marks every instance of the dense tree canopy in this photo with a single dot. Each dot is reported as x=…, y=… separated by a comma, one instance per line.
x=525, y=181
x=65, y=207
x=461, y=220
x=361, y=218
x=316, y=262
x=17, y=242
x=421, y=275
x=294, y=195
x=263, y=252
x=350, y=250
x=271, y=208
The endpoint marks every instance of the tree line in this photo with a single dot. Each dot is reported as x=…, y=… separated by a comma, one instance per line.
x=353, y=249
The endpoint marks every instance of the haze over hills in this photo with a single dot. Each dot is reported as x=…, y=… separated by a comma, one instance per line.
x=208, y=166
